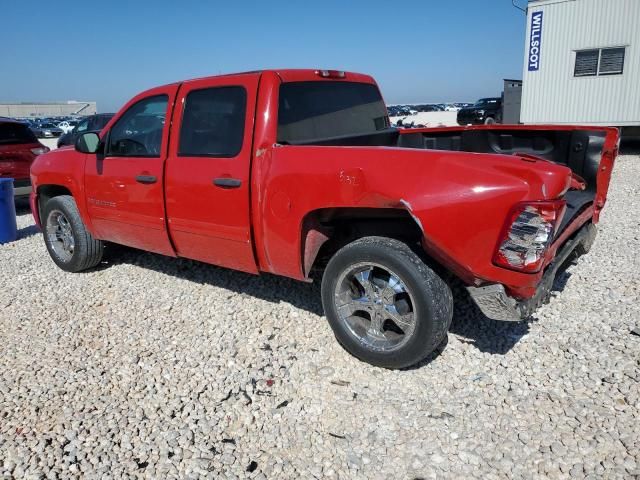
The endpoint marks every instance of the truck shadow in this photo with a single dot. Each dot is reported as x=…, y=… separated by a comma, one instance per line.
x=493, y=336
x=630, y=146
x=487, y=335
x=469, y=324
x=272, y=288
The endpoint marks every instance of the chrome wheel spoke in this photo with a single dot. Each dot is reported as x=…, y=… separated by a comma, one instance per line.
x=375, y=326
x=404, y=321
x=364, y=279
x=352, y=305
x=375, y=306
x=60, y=235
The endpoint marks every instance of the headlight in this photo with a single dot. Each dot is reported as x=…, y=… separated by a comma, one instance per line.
x=480, y=112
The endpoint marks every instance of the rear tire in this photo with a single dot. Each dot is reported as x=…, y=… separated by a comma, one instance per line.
x=69, y=243
x=384, y=304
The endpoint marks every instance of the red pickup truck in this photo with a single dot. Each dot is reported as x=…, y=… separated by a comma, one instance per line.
x=294, y=171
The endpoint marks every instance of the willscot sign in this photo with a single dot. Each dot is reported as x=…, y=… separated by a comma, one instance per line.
x=535, y=41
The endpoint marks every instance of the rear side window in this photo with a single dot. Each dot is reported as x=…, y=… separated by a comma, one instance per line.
x=310, y=111
x=138, y=133
x=15, y=133
x=213, y=122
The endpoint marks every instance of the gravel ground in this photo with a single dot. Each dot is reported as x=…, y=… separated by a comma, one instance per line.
x=156, y=367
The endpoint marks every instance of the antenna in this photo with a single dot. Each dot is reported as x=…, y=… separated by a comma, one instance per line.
x=513, y=2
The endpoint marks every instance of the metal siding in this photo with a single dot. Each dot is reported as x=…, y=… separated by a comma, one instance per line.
x=552, y=94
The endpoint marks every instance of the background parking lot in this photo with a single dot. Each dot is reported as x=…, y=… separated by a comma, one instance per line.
x=170, y=368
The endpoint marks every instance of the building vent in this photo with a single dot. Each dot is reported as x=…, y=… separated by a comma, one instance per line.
x=586, y=63
x=611, y=61
x=602, y=61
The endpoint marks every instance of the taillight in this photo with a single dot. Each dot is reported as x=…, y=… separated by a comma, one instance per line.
x=527, y=234
x=331, y=73
x=39, y=150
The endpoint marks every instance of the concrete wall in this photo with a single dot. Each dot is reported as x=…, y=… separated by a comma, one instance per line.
x=552, y=94
x=47, y=109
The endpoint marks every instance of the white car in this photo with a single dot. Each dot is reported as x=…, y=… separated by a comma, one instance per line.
x=66, y=127
x=451, y=108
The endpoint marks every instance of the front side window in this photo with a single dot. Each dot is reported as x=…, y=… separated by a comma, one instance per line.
x=138, y=133
x=213, y=122
x=309, y=111
x=598, y=62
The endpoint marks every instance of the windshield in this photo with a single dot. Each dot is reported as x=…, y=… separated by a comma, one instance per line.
x=320, y=110
x=15, y=133
x=487, y=101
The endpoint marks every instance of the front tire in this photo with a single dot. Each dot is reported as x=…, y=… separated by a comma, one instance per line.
x=69, y=243
x=384, y=304
x=489, y=121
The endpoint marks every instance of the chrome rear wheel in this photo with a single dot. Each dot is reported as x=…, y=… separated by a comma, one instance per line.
x=376, y=306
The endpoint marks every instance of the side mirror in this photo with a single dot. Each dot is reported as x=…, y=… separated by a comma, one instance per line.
x=88, y=142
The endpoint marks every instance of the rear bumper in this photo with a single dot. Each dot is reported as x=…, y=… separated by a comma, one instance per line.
x=494, y=302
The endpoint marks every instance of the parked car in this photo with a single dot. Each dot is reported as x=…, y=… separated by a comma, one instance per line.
x=18, y=149
x=93, y=123
x=46, y=130
x=297, y=173
x=484, y=111
x=67, y=125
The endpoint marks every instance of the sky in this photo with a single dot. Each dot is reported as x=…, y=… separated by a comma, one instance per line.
x=108, y=51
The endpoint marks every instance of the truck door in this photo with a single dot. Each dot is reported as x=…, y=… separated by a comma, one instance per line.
x=207, y=173
x=123, y=183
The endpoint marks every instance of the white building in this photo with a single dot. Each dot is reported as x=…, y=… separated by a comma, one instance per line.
x=582, y=63
x=54, y=109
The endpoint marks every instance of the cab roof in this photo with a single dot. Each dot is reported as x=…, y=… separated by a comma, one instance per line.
x=296, y=75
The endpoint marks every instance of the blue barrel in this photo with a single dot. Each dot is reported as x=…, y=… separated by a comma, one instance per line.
x=8, y=227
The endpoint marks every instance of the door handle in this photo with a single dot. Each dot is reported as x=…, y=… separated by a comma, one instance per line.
x=225, y=182
x=146, y=179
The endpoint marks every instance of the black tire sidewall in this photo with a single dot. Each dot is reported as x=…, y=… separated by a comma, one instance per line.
x=67, y=206
x=425, y=287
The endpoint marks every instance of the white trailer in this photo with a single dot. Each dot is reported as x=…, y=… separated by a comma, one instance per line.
x=582, y=63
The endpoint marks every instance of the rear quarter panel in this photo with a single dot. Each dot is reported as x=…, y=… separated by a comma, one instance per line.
x=460, y=200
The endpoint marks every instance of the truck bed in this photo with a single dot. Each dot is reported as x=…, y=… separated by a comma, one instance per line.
x=580, y=150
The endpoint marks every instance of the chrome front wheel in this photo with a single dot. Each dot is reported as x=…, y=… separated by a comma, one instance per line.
x=60, y=235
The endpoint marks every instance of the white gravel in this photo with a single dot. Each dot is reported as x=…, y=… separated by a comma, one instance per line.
x=164, y=368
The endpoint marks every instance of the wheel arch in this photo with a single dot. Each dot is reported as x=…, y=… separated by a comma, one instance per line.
x=47, y=192
x=326, y=230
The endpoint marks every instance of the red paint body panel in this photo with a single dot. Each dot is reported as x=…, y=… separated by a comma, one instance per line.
x=121, y=209
x=206, y=222
x=459, y=199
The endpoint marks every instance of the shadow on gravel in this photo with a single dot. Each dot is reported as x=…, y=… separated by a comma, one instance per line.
x=487, y=335
x=271, y=288
x=22, y=206
x=630, y=147
x=492, y=336
x=27, y=232
x=469, y=323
